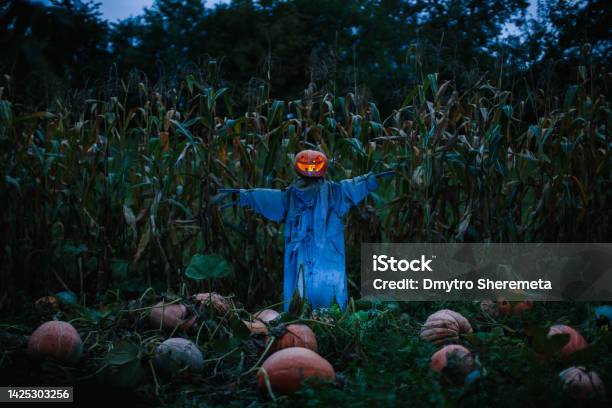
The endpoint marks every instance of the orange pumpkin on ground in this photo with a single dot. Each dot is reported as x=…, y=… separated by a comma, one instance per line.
x=521, y=307
x=576, y=341
x=288, y=368
x=445, y=326
x=583, y=382
x=170, y=317
x=56, y=340
x=218, y=302
x=506, y=308
x=296, y=335
x=258, y=324
x=47, y=303
x=455, y=361
x=441, y=358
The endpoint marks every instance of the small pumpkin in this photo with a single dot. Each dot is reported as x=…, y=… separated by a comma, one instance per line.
x=170, y=317
x=47, y=303
x=296, y=335
x=288, y=368
x=258, y=325
x=488, y=307
x=455, y=361
x=176, y=354
x=506, y=308
x=56, y=340
x=521, y=307
x=576, y=341
x=445, y=326
x=322, y=315
x=584, y=383
x=218, y=302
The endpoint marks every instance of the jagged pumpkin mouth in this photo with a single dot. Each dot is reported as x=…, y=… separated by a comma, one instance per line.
x=312, y=167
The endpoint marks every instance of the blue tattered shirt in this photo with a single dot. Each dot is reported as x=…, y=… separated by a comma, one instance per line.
x=314, y=233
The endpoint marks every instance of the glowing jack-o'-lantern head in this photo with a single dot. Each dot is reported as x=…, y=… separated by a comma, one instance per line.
x=311, y=163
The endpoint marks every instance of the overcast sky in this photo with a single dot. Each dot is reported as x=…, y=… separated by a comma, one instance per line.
x=117, y=9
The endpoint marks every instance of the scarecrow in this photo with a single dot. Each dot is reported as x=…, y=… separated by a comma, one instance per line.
x=312, y=209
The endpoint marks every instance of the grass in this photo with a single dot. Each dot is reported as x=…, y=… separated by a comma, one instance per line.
x=375, y=349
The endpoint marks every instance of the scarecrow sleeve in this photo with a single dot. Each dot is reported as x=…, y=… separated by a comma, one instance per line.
x=355, y=190
x=270, y=203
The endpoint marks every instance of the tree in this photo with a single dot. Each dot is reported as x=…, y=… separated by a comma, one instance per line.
x=578, y=23
x=49, y=47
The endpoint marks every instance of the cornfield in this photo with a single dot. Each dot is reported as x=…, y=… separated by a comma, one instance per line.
x=117, y=191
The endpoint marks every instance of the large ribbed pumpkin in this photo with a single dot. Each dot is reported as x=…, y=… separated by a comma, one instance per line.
x=258, y=324
x=212, y=299
x=288, y=368
x=445, y=326
x=296, y=335
x=56, y=340
x=584, y=383
x=576, y=341
x=170, y=317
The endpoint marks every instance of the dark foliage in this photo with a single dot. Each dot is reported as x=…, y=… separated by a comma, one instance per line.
x=274, y=47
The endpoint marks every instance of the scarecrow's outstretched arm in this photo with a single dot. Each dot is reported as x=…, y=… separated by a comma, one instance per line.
x=228, y=190
x=222, y=194
x=388, y=173
x=355, y=190
x=270, y=203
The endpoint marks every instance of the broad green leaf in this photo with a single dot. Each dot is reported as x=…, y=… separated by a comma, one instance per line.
x=208, y=267
x=123, y=353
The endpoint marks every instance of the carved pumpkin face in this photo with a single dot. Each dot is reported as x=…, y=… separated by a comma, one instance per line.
x=310, y=163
